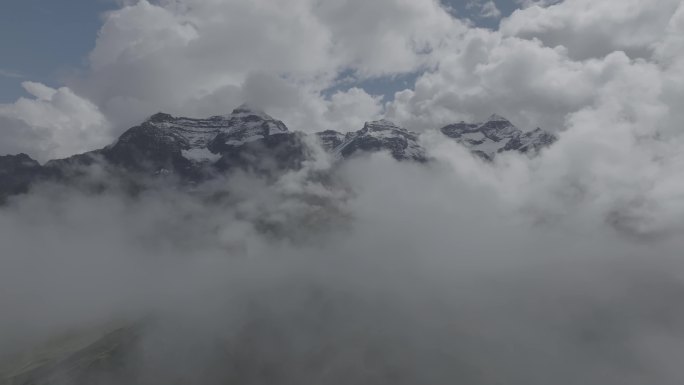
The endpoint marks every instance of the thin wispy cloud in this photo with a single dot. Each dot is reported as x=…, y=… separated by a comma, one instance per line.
x=10, y=74
x=484, y=9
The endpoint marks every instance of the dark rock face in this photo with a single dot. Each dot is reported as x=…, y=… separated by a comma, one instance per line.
x=381, y=135
x=330, y=139
x=196, y=150
x=498, y=135
x=457, y=130
x=272, y=153
x=531, y=142
x=149, y=148
x=17, y=172
x=191, y=150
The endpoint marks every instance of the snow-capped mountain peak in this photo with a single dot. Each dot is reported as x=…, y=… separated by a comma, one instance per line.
x=247, y=124
x=376, y=135
x=195, y=150
x=496, y=135
x=197, y=137
x=381, y=125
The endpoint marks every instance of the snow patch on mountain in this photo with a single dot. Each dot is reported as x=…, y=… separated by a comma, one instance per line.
x=381, y=135
x=197, y=150
x=496, y=135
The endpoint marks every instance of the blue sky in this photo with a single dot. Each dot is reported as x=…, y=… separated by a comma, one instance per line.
x=46, y=40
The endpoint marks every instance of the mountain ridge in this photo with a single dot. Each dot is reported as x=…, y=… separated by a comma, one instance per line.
x=496, y=135
x=195, y=150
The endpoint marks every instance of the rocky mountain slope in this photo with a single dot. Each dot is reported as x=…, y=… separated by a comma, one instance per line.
x=496, y=135
x=196, y=150
x=17, y=172
x=191, y=148
x=381, y=135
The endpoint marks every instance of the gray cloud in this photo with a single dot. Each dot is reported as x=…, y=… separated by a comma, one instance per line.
x=560, y=269
x=202, y=58
x=52, y=123
x=210, y=46
x=426, y=274
x=485, y=9
x=10, y=74
x=591, y=30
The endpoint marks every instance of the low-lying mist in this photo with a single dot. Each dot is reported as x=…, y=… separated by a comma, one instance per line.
x=523, y=271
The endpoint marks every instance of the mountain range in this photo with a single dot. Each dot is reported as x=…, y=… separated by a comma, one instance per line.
x=196, y=150
x=192, y=151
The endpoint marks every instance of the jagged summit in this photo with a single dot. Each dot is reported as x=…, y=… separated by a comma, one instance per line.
x=497, y=134
x=159, y=117
x=18, y=160
x=17, y=172
x=245, y=123
x=244, y=110
x=496, y=118
x=196, y=150
x=379, y=135
x=381, y=125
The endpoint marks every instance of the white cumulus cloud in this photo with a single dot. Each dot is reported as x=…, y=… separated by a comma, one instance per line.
x=52, y=123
